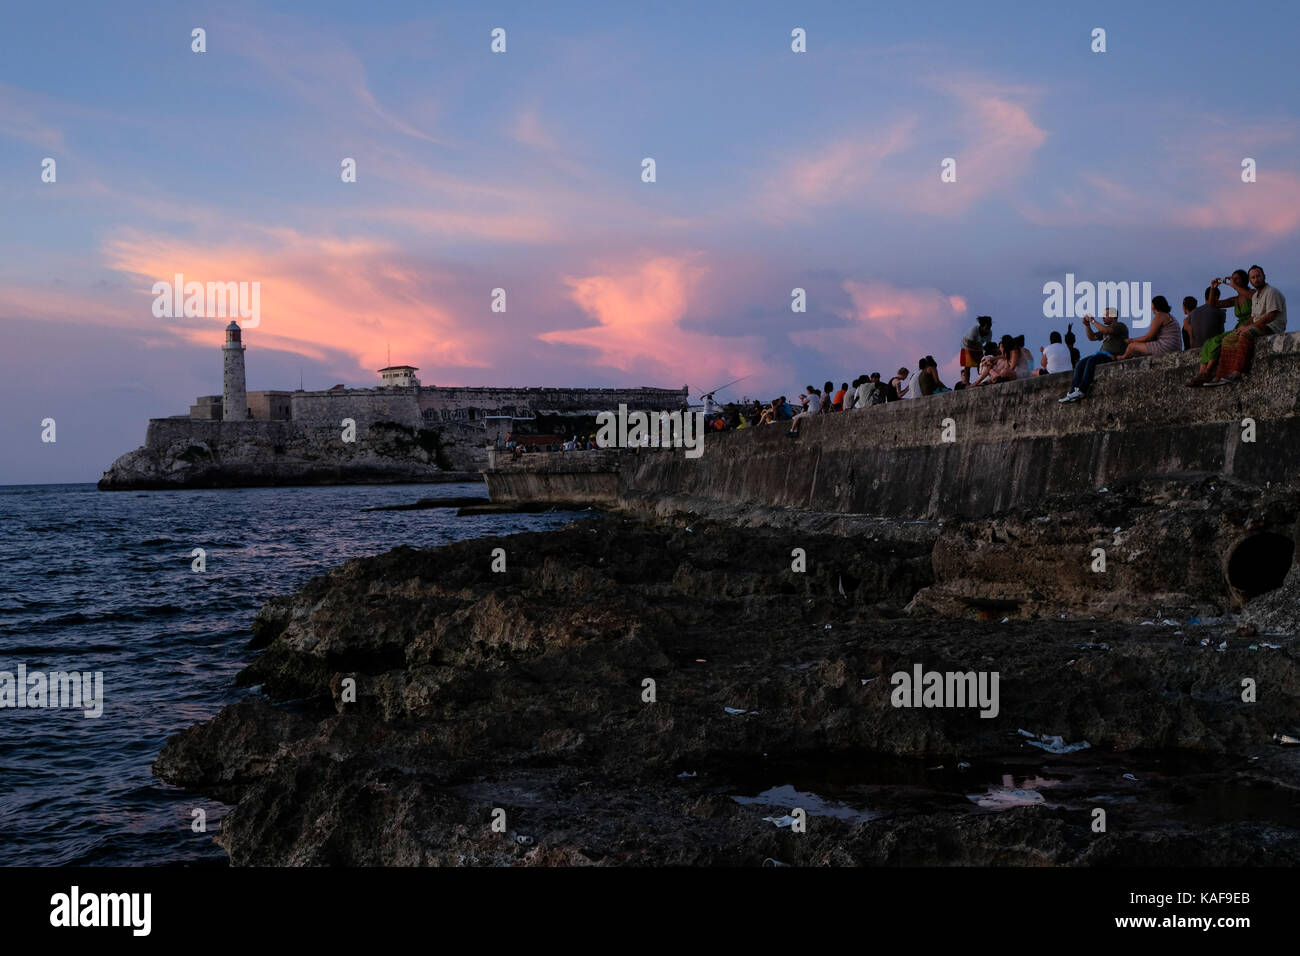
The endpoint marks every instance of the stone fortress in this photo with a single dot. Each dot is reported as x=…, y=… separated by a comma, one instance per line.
x=404, y=430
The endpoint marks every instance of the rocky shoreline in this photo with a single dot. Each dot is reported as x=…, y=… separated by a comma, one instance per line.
x=182, y=453
x=524, y=691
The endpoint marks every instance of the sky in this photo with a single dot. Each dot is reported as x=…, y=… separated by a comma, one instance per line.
x=523, y=170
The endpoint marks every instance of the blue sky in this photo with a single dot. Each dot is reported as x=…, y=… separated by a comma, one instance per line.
x=522, y=171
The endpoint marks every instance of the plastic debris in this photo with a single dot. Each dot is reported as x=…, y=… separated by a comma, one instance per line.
x=1102, y=491
x=1129, y=776
x=1253, y=647
x=771, y=862
x=1274, y=647
x=685, y=774
x=840, y=581
x=1024, y=733
x=784, y=821
x=523, y=840
x=1193, y=621
x=1057, y=745
x=1205, y=642
x=1147, y=624
x=1169, y=622
x=867, y=680
x=828, y=627
x=1005, y=619
x=1286, y=740
x=963, y=766
x=1004, y=799
x=1222, y=647
x=940, y=767
x=736, y=711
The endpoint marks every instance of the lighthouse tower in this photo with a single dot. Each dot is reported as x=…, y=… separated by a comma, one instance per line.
x=234, y=397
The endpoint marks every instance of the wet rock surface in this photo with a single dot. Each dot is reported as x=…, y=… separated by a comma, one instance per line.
x=524, y=690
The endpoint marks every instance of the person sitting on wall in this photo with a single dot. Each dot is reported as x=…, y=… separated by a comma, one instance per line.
x=1070, y=339
x=1056, y=356
x=1163, y=337
x=928, y=379
x=1114, y=340
x=1267, y=317
x=812, y=406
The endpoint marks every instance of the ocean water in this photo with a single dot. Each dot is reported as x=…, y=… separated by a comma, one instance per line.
x=102, y=581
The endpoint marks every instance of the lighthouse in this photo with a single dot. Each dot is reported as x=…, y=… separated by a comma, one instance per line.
x=234, y=397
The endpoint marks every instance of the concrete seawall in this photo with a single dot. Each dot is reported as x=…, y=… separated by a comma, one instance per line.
x=557, y=477
x=1012, y=445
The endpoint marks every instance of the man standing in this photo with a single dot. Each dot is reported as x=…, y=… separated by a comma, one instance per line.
x=972, y=345
x=1267, y=317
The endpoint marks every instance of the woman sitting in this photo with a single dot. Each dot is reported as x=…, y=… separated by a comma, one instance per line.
x=1163, y=336
x=928, y=379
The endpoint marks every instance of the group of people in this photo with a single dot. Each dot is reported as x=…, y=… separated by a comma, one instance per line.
x=518, y=447
x=1258, y=309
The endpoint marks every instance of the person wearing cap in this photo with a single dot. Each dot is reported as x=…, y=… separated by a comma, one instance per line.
x=972, y=345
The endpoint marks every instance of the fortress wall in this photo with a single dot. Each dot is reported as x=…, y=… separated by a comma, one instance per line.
x=444, y=403
x=1014, y=444
x=365, y=407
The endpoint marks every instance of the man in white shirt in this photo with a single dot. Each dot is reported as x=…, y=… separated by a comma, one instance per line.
x=1267, y=305
x=1056, y=356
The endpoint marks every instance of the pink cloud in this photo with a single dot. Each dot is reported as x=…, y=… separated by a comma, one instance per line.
x=893, y=325
x=897, y=166
x=639, y=311
x=318, y=296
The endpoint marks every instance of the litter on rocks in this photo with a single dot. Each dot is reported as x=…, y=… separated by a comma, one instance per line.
x=784, y=821
x=1057, y=745
x=1024, y=733
x=686, y=774
x=771, y=862
x=737, y=712
x=1129, y=776
x=867, y=680
x=940, y=767
x=963, y=766
x=1003, y=799
x=1274, y=647
x=1286, y=740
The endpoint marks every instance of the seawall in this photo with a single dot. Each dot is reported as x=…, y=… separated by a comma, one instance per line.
x=1012, y=445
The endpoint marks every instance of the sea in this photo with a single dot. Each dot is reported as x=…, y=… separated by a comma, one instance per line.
x=94, y=581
